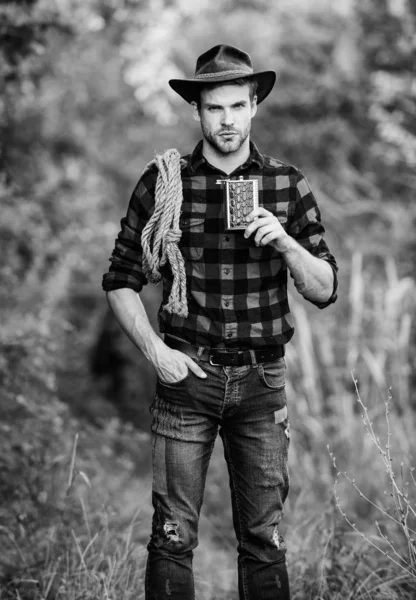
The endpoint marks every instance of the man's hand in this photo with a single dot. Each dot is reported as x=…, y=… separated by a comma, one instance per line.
x=313, y=276
x=267, y=228
x=172, y=365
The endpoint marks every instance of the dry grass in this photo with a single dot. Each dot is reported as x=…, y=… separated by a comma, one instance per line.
x=400, y=512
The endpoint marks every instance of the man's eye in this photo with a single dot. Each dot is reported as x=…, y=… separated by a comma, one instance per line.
x=214, y=108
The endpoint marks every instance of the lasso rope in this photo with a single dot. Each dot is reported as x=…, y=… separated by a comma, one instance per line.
x=161, y=233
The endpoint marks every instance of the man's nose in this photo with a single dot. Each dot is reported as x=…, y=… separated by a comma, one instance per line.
x=227, y=117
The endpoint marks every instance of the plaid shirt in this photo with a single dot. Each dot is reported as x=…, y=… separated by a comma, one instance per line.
x=237, y=292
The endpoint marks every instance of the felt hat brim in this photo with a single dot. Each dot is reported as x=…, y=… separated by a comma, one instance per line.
x=189, y=89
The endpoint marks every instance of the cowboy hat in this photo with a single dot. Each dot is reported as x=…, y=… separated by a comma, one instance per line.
x=220, y=64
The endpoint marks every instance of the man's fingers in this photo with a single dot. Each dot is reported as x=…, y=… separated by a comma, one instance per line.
x=255, y=224
x=192, y=366
x=263, y=232
x=257, y=212
x=264, y=220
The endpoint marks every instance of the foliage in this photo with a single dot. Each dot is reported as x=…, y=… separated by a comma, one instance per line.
x=44, y=485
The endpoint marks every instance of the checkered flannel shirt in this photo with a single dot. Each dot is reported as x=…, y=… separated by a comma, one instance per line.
x=237, y=292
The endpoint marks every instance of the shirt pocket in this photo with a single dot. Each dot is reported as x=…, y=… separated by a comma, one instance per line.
x=192, y=240
x=262, y=252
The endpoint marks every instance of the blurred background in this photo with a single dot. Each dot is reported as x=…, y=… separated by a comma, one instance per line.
x=84, y=106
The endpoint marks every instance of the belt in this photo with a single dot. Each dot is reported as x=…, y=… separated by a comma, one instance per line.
x=226, y=357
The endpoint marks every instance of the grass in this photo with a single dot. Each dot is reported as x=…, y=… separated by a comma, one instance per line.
x=402, y=491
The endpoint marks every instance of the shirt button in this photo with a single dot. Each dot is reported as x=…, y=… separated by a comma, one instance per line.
x=226, y=271
x=227, y=238
x=229, y=334
x=226, y=303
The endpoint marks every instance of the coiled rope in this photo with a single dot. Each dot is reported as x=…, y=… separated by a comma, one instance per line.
x=161, y=233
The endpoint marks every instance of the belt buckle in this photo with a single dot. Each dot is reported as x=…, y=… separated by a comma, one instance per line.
x=214, y=364
x=234, y=361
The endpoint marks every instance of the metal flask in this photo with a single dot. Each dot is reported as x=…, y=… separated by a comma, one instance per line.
x=241, y=197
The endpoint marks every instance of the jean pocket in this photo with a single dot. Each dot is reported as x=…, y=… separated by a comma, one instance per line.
x=192, y=239
x=174, y=384
x=272, y=374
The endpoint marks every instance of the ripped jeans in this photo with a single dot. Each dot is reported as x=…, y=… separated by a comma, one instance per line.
x=248, y=403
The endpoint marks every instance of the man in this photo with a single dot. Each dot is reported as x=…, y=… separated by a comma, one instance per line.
x=222, y=365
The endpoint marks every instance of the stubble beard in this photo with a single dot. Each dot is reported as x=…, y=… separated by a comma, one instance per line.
x=222, y=146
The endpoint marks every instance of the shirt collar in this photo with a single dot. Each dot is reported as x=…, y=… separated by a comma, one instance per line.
x=197, y=159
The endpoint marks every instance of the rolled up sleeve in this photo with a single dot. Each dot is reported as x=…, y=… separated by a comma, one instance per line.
x=307, y=229
x=126, y=269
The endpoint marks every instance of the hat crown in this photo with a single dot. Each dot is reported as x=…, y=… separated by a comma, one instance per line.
x=220, y=65
x=223, y=59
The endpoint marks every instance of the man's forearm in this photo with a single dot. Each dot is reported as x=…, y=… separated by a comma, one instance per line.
x=313, y=277
x=171, y=365
x=131, y=314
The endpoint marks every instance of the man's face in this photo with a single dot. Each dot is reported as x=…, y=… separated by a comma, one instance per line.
x=225, y=115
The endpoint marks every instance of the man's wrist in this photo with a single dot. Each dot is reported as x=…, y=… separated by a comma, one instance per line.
x=147, y=339
x=286, y=244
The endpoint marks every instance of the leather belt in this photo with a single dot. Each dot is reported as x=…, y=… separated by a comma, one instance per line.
x=226, y=357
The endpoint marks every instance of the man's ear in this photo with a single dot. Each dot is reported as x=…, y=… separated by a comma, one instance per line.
x=195, y=115
x=253, y=106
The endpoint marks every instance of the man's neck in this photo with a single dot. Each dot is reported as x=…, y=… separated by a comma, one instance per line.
x=226, y=162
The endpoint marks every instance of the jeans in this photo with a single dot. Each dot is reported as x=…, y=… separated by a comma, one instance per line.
x=248, y=404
